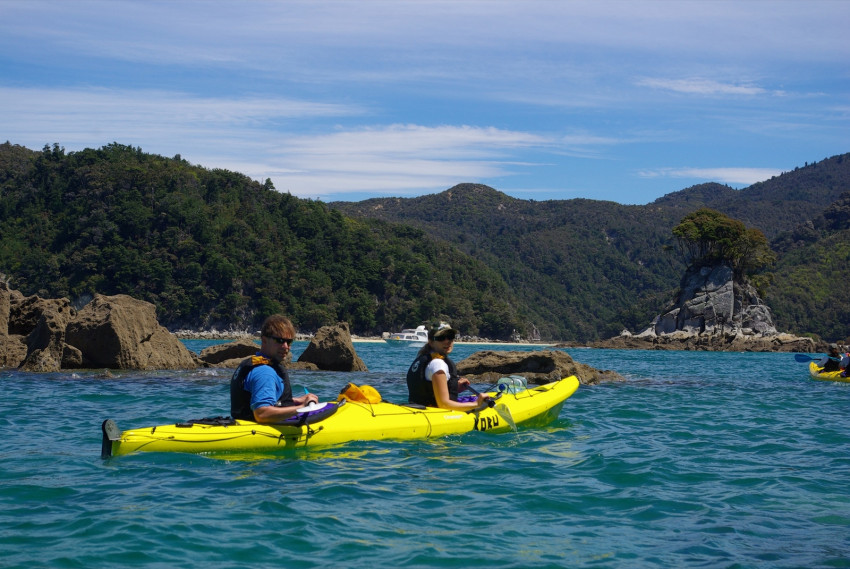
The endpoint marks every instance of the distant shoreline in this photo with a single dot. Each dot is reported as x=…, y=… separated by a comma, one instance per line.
x=460, y=343
x=194, y=335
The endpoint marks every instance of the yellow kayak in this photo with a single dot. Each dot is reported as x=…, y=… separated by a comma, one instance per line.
x=333, y=423
x=816, y=373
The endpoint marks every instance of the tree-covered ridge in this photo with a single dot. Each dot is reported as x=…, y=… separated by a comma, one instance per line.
x=598, y=267
x=212, y=248
x=586, y=269
x=812, y=276
x=774, y=206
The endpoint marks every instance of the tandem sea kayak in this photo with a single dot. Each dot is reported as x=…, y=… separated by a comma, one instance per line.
x=333, y=423
x=816, y=373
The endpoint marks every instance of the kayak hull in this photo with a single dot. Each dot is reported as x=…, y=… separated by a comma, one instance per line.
x=352, y=421
x=816, y=373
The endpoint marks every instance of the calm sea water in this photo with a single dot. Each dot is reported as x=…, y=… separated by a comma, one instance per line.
x=699, y=460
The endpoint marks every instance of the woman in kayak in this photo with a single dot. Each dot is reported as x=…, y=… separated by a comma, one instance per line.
x=259, y=389
x=432, y=379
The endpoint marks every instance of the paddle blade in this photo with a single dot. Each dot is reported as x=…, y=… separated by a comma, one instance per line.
x=804, y=358
x=506, y=416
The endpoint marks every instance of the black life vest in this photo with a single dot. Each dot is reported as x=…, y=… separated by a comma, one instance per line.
x=832, y=364
x=419, y=389
x=240, y=398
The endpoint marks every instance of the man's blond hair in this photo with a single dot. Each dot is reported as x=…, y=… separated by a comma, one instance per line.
x=278, y=325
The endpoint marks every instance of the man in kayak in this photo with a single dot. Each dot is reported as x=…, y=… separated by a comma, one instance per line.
x=432, y=379
x=259, y=389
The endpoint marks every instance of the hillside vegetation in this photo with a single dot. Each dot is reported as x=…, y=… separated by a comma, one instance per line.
x=602, y=266
x=212, y=248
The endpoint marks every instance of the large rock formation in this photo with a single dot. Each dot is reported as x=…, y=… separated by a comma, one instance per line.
x=540, y=367
x=331, y=349
x=117, y=332
x=712, y=300
x=46, y=346
x=13, y=346
x=715, y=310
x=121, y=332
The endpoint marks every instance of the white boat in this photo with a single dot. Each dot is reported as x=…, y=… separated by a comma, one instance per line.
x=409, y=337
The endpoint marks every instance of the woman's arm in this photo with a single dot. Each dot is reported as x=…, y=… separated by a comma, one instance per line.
x=440, y=384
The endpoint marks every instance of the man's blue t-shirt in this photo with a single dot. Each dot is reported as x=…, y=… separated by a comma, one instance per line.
x=265, y=386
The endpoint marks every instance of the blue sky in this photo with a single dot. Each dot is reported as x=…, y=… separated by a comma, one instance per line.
x=608, y=100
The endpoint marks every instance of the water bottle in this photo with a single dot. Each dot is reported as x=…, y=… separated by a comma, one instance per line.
x=512, y=384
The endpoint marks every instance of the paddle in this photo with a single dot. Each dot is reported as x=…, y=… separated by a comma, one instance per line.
x=501, y=409
x=805, y=358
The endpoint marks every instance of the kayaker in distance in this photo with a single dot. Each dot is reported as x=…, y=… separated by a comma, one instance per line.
x=832, y=361
x=432, y=379
x=259, y=389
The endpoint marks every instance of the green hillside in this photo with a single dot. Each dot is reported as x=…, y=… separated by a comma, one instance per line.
x=603, y=266
x=812, y=277
x=212, y=248
x=586, y=268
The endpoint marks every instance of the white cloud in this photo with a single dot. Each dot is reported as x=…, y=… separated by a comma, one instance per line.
x=745, y=176
x=326, y=96
x=252, y=136
x=398, y=157
x=697, y=86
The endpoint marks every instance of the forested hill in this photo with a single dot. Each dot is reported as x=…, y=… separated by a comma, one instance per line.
x=776, y=205
x=212, y=248
x=604, y=266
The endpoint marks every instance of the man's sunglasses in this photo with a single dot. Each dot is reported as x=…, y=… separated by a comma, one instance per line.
x=445, y=337
x=280, y=340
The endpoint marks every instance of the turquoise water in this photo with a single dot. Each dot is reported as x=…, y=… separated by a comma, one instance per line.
x=699, y=460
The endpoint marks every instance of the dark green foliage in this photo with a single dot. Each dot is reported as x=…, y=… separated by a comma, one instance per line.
x=707, y=236
x=587, y=269
x=212, y=248
x=812, y=277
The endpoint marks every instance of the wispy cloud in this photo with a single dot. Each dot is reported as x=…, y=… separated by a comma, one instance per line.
x=399, y=158
x=328, y=97
x=698, y=86
x=253, y=136
x=736, y=176
x=158, y=121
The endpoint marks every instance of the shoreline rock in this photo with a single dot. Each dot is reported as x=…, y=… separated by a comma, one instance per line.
x=332, y=350
x=114, y=332
x=684, y=341
x=540, y=367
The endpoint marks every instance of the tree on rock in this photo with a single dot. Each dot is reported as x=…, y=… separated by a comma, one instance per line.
x=708, y=237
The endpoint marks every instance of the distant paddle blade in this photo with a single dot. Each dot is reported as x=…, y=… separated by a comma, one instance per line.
x=804, y=358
